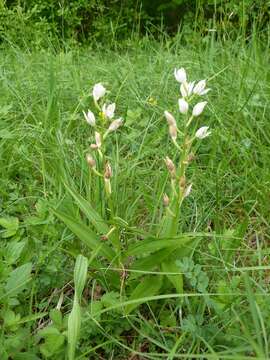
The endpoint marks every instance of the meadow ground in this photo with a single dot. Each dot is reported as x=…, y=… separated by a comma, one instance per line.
x=224, y=312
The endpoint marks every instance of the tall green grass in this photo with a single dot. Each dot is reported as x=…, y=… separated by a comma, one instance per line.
x=43, y=138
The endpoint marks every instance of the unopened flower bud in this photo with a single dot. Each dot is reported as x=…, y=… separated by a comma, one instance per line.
x=170, y=166
x=98, y=139
x=190, y=157
x=182, y=182
x=173, y=132
x=170, y=118
x=94, y=146
x=187, y=190
x=91, y=161
x=115, y=125
x=108, y=171
x=166, y=200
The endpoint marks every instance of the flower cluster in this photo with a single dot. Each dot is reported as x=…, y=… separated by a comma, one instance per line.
x=106, y=114
x=189, y=91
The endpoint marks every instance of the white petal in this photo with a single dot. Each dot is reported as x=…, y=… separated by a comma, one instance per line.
x=180, y=75
x=199, y=87
x=198, y=108
x=115, y=125
x=183, y=106
x=98, y=91
x=184, y=89
x=204, y=92
x=202, y=132
x=90, y=118
x=190, y=87
x=187, y=190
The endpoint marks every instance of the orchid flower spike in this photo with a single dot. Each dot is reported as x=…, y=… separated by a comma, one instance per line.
x=198, y=108
x=180, y=75
x=202, y=132
x=183, y=106
x=90, y=117
x=200, y=89
x=98, y=91
x=108, y=110
x=170, y=118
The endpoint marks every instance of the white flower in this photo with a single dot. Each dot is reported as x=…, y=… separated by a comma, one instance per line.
x=170, y=118
x=187, y=190
x=199, y=88
x=183, y=106
x=186, y=89
x=115, y=125
x=198, y=108
x=98, y=91
x=202, y=132
x=108, y=111
x=90, y=117
x=180, y=75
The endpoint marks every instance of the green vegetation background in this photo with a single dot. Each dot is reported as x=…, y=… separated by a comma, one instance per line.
x=52, y=52
x=39, y=22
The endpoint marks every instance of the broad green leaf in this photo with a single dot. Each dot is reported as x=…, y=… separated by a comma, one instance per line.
x=154, y=244
x=80, y=274
x=53, y=344
x=85, y=234
x=150, y=262
x=11, y=225
x=92, y=215
x=176, y=280
x=56, y=317
x=13, y=251
x=149, y=286
x=18, y=279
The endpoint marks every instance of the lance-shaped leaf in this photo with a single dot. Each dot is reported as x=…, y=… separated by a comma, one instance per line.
x=149, y=286
x=85, y=234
